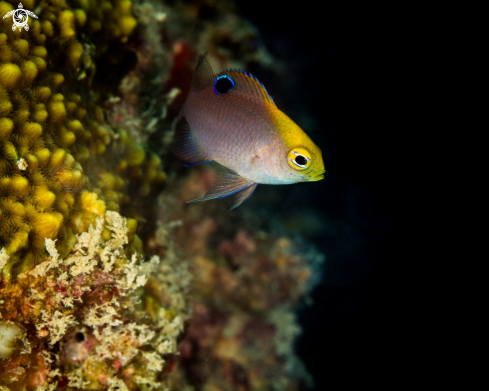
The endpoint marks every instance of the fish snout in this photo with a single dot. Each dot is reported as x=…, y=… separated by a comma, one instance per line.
x=316, y=176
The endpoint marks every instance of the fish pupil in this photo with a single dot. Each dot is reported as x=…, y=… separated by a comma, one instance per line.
x=223, y=85
x=300, y=160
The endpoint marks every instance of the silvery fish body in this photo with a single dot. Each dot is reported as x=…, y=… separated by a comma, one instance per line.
x=231, y=119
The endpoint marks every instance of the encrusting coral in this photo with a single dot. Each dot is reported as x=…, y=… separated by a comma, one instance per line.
x=95, y=294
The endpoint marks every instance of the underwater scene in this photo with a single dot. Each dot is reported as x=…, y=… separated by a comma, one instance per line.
x=197, y=195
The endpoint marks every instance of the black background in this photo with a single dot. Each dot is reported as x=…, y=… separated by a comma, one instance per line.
x=348, y=69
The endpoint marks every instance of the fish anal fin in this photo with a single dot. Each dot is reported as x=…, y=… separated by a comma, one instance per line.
x=225, y=184
x=242, y=195
x=203, y=76
x=185, y=147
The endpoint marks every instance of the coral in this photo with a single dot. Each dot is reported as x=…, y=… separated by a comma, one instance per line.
x=92, y=307
x=58, y=156
x=12, y=340
x=3, y=258
x=246, y=286
x=87, y=98
x=63, y=163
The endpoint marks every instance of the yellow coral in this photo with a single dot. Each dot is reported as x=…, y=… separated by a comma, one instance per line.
x=19, y=185
x=89, y=201
x=56, y=80
x=21, y=46
x=74, y=52
x=39, y=51
x=29, y=71
x=48, y=224
x=39, y=113
x=5, y=104
x=7, y=125
x=5, y=8
x=56, y=110
x=127, y=23
x=66, y=21
x=42, y=197
x=10, y=75
x=41, y=93
x=40, y=63
x=49, y=123
x=47, y=28
x=81, y=17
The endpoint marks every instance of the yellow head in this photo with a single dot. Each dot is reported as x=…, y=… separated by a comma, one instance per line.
x=302, y=161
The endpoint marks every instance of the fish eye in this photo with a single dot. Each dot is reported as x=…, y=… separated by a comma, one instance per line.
x=223, y=84
x=299, y=158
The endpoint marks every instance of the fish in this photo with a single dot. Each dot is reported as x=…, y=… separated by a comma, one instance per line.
x=231, y=119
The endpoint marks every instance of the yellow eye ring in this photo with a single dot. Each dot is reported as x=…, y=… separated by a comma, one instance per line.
x=299, y=158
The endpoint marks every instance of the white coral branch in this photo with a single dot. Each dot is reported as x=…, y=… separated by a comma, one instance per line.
x=57, y=324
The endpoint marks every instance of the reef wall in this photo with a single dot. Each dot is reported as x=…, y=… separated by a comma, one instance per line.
x=108, y=279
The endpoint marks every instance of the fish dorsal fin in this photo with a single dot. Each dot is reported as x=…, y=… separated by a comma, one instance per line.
x=247, y=83
x=203, y=76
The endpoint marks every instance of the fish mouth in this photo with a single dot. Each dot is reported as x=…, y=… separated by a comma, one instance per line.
x=317, y=176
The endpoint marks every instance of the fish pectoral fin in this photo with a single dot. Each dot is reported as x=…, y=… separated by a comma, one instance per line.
x=185, y=147
x=242, y=195
x=203, y=75
x=227, y=183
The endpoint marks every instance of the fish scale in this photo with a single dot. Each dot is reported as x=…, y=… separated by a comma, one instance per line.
x=230, y=118
x=217, y=135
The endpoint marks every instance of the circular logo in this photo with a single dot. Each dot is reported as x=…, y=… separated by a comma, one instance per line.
x=20, y=18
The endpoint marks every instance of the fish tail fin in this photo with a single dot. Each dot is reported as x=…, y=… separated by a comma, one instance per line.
x=203, y=76
x=185, y=147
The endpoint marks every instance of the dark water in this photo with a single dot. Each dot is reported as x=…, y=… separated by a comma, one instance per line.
x=344, y=86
